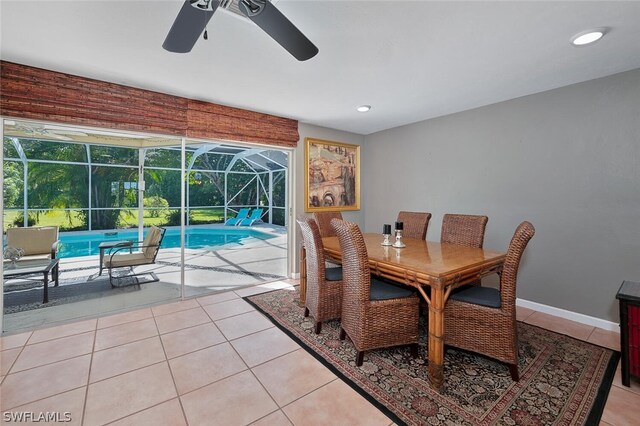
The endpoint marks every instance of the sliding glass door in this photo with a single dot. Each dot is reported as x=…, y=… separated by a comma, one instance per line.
x=223, y=209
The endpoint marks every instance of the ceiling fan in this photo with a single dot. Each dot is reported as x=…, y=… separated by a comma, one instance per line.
x=195, y=15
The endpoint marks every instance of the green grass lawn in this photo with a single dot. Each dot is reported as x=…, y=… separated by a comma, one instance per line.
x=128, y=218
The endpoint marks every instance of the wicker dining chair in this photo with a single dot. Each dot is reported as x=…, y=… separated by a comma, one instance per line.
x=375, y=314
x=482, y=319
x=323, y=219
x=324, y=285
x=415, y=224
x=464, y=230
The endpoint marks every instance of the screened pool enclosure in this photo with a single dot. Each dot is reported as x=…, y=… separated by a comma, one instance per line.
x=85, y=186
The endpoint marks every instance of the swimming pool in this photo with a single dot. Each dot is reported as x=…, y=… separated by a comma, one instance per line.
x=86, y=243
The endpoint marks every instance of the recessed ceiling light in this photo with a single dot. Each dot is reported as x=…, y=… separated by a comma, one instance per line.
x=587, y=37
x=364, y=108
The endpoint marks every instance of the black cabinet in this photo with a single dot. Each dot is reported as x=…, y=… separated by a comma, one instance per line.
x=629, y=297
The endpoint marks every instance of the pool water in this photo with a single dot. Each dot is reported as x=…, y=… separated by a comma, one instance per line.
x=86, y=244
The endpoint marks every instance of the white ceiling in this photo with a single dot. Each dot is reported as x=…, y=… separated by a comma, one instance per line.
x=410, y=60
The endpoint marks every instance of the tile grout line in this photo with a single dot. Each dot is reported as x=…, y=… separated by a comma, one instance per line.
x=196, y=350
x=125, y=322
x=630, y=389
x=265, y=416
x=86, y=392
x=46, y=397
x=215, y=303
x=49, y=363
x=140, y=411
x=231, y=375
x=28, y=343
x=52, y=362
x=166, y=359
x=175, y=312
x=255, y=377
x=277, y=357
x=318, y=388
x=312, y=391
x=230, y=316
x=248, y=334
x=222, y=378
x=15, y=360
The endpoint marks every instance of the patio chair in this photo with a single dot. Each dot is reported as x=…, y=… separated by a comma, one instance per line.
x=256, y=216
x=415, y=224
x=146, y=256
x=483, y=319
x=324, y=285
x=375, y=314
x=38, y=242
x=242, y=214
x=323, y=219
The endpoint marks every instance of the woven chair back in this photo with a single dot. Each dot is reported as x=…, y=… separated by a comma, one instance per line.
x=463, y=230
x=521, y=237
x=323, y=219
x=415, y=224
x=356, y=276
x=315, y=252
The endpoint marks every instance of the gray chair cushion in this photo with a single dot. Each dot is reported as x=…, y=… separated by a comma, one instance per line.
x=483, y=296
x=333, y=274
x=382, y=291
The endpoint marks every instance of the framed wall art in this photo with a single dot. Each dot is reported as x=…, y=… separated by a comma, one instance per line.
x=332, y=176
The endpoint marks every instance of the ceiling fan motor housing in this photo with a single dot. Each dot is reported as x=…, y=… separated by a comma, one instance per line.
x=208, y=5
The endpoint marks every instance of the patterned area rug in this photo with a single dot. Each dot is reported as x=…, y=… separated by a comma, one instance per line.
x=563, y=381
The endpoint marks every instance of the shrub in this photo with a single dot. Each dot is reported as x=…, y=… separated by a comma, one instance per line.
x=158, y=204
x=32, y=220
x=173, y=218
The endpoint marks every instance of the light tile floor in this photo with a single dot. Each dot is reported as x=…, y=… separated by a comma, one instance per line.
x=212, y=360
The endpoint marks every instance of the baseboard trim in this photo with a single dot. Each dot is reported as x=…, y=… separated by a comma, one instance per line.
x=573, y=316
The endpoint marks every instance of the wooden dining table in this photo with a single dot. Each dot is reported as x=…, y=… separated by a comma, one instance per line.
x=441, y=267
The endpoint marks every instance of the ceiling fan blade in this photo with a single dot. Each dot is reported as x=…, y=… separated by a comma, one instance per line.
x=273, y=22
x=189, y=24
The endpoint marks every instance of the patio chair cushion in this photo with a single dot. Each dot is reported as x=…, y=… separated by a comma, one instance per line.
x=483, y=296
x=122, y=260
x=151, y=241
x=333, y=274
x=382, y=291
x=33, y=240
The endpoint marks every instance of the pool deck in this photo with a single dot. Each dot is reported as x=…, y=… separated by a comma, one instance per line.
x=216, y=269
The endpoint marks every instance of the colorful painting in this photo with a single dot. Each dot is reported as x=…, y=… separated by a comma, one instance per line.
x=332, y=176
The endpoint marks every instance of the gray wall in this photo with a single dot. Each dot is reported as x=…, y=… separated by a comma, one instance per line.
x=568, y=160
x=310, y=131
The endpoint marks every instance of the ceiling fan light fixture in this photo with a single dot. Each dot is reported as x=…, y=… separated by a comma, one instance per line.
x=585, y=38
x=363, y=108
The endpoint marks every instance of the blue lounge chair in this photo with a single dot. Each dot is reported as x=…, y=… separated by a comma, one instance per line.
x=255, y=217
x=242, y=215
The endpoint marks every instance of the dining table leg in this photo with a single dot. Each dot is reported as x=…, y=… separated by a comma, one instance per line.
x=303, y=275
x=436, y=337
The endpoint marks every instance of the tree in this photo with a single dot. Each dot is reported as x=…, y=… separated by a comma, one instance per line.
x=13, y=184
